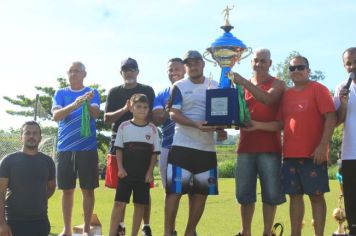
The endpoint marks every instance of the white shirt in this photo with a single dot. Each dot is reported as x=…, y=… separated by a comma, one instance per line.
x=190, y=99
x=348, y=148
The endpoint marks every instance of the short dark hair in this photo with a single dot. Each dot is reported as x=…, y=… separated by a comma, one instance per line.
x=350, y=50
x=175, y=59
x=303, y=58
x=31, y=122
x=138, y=97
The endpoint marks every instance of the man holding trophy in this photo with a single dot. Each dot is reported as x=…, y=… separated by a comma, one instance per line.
x=192, y=163
x=263, y=94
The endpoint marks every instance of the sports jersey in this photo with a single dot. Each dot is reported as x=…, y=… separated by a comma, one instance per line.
x=190, y=99
x=137, y=143
x=69, y=138
x=160, y=102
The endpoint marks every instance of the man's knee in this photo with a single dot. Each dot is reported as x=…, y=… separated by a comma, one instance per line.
x=88, y=193
x=317, y=198
x=68, y=192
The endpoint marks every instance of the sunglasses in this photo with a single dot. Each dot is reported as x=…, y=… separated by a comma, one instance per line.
x=297, y=67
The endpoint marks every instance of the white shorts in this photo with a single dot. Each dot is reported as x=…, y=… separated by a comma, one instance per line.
x=163, y=162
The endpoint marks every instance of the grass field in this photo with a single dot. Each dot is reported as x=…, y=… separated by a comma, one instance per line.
x=221, y=215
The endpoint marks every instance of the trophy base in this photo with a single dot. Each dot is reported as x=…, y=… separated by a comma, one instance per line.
x=222, y=108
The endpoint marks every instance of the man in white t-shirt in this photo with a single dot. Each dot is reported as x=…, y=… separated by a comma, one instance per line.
x=192, y=164
x=345, y=102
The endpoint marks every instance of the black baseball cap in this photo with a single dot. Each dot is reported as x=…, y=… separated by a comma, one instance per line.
x=129, y=63
x=192, y=54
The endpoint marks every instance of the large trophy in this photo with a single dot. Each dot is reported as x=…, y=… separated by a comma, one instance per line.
x=226, y=105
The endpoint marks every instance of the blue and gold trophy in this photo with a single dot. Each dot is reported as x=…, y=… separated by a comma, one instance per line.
x=226, y=105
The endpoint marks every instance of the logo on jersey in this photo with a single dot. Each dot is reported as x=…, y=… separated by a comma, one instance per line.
x=148, y=137
x=212, y=180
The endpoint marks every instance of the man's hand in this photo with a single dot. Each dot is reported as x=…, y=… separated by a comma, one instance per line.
x=5, y=230
x=344, y=96
x=149, y=177
x=127, y=106
x=89, y=95
x=221, y=135
x=252, y=126
x=121, y=173
x=236, y=78
x=320, y=154
x=202, y=127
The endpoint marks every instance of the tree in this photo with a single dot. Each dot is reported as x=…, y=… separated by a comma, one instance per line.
x=282, y=70
x=335, y=144
x=44, y=110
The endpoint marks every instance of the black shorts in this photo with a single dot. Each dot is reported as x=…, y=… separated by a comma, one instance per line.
x=140, y=190
x=84, y=164
x=192, y=171
x=29, y=227
x=193, y=160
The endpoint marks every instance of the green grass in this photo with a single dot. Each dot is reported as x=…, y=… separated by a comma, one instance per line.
x=221, y=215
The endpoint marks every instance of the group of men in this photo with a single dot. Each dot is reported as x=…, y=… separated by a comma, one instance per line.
x=306, y=113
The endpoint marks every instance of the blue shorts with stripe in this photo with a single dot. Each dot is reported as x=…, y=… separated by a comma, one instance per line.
x=192, y=171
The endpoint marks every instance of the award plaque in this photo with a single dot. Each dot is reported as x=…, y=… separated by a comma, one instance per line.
x=225, y=106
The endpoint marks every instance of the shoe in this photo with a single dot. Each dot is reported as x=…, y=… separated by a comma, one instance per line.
x=146, y=231
x=239, y=234
x=174, y=233
x=121, y=231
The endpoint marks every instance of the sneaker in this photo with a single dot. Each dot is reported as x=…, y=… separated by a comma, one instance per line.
x=146, y=230
x=121, y=231
x=174, y=233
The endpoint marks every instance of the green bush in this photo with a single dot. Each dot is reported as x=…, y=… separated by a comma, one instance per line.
x=332, y=171
x=227, y=168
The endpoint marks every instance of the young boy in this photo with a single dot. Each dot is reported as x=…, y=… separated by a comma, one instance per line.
x=137, y=143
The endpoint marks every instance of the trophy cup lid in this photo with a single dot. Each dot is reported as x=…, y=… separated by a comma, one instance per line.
x=227, y=39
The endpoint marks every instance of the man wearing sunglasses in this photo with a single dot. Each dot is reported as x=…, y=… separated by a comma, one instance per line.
x=344, y=98
x=262, y=93
x=307, y=117
x=117, y=110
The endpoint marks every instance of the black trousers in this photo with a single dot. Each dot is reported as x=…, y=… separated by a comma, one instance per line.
x=29, y=227
x=349, y=185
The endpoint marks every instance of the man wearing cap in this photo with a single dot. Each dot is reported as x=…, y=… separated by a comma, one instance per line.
x=192, y=164
x=117, y=110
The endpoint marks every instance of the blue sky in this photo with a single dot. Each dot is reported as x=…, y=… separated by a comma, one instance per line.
x=40, y=38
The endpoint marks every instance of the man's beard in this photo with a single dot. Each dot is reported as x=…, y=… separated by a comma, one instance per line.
x=196, y=76
x=31, y=145
x=130, y=81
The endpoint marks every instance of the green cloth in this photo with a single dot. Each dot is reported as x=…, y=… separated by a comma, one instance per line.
x=244, y=112
x=85, y=124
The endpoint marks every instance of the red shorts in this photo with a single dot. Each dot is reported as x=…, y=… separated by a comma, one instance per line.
x=111, y=177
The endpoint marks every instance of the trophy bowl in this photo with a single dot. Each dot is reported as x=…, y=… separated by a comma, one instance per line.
x=226, y=106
